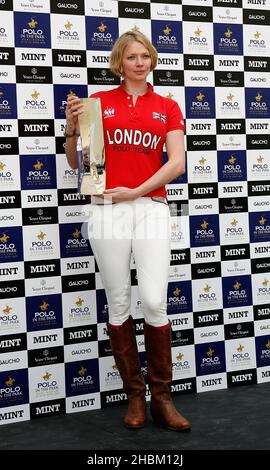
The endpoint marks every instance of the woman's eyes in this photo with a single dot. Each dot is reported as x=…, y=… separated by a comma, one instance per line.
x=144, y=57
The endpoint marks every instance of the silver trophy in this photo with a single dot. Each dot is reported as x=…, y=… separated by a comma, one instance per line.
x=92, y=175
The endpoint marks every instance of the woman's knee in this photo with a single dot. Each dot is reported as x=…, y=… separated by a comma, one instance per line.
x=119, y=307
x=155, y=311
x=118, y=318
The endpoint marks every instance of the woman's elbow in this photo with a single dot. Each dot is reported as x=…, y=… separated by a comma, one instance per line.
x=72, y=161
x=73, y=166
x=180, y=169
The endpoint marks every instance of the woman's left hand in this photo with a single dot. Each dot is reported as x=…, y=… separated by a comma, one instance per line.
x=121, y=194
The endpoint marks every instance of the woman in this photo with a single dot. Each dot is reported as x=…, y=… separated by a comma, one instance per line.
x=137, y=122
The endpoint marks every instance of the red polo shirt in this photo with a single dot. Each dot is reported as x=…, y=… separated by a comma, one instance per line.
x=135, y=135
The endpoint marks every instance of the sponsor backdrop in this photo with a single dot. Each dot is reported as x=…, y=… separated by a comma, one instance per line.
x=214, y=61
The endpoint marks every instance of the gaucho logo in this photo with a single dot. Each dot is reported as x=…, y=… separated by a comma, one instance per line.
x=201, y=142
x=256, y=17
x=197, y=13
x=11, y=289
x=134, y=10
x=80, y=282
x=74, y=7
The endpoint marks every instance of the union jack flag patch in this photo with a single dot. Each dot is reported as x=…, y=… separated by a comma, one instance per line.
x=160, y=117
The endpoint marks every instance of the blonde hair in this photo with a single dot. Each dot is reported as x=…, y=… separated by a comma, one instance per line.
x=120, y=45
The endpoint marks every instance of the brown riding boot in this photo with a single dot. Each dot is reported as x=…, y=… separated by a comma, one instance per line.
x=159, y=367
x=124, y=348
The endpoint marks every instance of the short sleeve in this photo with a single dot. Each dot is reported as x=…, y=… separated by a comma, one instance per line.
x=175, y=118
x=95, y=95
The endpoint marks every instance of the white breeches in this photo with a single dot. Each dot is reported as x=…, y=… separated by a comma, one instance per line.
x=142, y=228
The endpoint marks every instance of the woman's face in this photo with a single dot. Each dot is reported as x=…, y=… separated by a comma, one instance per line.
x=136, y=62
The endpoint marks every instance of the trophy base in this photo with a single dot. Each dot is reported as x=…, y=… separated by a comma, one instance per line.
x=90, y=187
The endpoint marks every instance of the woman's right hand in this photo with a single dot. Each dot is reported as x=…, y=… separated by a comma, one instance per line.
x=73, y=109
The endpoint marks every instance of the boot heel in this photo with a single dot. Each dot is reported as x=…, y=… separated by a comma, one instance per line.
x=169, y=418
x=160, y=422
